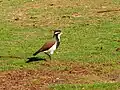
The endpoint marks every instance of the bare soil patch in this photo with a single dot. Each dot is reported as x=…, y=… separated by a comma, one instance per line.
x=55, y=72
x=59, y=13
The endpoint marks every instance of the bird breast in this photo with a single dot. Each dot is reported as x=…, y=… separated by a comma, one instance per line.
x=53, y=48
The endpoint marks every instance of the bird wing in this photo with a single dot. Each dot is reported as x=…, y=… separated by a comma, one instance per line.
x=47, y=46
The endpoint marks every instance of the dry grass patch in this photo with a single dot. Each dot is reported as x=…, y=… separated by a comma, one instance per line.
x=63, y=13
x=56, y=72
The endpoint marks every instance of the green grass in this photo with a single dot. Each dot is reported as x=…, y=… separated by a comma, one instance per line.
x=97, y=86
x=88, y=36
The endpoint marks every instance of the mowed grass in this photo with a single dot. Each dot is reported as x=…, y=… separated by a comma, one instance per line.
x=88, y=36
x=97, y=86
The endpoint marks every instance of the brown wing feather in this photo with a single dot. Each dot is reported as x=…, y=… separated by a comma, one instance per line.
x=47, y=45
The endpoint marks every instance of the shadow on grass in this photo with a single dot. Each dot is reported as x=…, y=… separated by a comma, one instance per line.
x=30, y=59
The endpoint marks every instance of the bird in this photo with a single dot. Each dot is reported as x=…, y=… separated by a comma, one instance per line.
x=49, y=47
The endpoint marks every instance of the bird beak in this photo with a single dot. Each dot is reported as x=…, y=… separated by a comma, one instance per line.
x=61, y=33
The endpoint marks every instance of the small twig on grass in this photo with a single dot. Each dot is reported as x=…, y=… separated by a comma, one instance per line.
x=11, y=57
x=108, y=11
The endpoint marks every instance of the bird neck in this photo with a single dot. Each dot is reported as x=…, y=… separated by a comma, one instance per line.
x=57, y=38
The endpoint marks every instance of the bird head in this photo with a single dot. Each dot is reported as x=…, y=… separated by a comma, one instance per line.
x=57, y=32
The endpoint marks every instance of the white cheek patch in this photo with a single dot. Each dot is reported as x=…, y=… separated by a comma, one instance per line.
x=59, y=36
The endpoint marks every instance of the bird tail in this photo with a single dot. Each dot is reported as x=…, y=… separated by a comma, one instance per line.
x=36, y=53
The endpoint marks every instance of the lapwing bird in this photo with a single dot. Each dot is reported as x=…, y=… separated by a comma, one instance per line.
x=49, y=47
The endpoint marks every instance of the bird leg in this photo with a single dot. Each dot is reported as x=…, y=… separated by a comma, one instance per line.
x=48, y=55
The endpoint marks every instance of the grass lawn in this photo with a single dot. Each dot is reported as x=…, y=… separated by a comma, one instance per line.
x=89, y=52
x=97, y=86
